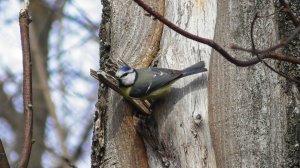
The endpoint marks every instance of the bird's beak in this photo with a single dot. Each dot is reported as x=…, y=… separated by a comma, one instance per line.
x=117, y=75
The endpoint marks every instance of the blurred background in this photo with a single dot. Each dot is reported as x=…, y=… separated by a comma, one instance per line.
x=64, y=50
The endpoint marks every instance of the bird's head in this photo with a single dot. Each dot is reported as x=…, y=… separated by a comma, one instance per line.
x=126, y=76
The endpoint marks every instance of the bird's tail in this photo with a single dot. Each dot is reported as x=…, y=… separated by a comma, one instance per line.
x=196, y=68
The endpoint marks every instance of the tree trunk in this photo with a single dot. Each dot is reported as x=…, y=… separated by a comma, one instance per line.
x=133, y=37
x=248, y=107
x=182, y=116
x=236, y=119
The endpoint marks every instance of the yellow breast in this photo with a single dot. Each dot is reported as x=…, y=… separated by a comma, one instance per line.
x=153, y=95
x=158, y=93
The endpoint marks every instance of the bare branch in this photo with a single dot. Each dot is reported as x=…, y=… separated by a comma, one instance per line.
x=258, y=56
x=272, y=14
x=272, y=48
x=283, y=57
x=251, y=34
x=209, y=42
x=290, y=38
x=24, y=21
x=287, y=9
x=69, y=163
x=56, y=9
x=89, y=25
x=3, y=159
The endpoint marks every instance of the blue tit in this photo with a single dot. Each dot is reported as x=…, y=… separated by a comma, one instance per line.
x=152, y=83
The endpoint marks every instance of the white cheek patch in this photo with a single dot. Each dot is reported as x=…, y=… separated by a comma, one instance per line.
x=129, y=79
x=123, y=70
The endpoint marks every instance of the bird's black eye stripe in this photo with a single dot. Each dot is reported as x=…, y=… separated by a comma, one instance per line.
x=125, y=74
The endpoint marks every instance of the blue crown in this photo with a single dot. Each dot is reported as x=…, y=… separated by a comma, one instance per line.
x=125, y=68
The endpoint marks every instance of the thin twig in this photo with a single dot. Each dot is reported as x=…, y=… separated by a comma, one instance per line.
x=252, y=36
x=283, y=57
x=258, y=56
x=209, y=42
x=272, y=14
x=90, y=23
x=70, y=164
x=272, y=48
x=292, y=16
x=296, y=22
x=3, y=159
x=24, y=21
x=282, y=74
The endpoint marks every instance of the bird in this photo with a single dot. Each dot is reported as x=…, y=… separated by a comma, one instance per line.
x=153, y=82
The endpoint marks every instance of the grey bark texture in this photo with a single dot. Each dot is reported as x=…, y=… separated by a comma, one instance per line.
x=128, y=34
x=229, y=117
x=248, y=107
x=182, y=116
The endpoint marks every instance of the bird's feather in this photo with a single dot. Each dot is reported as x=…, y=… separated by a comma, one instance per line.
x=151, y=82
x=159, y=78
x=196, y=68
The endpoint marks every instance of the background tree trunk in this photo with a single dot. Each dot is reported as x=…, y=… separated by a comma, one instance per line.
x=240, y=121
x=248, y=107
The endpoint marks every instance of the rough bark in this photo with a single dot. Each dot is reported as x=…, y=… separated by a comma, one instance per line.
x=129, y=34
x=292, y=132
x=182, y=116
x=240, y=121
x=247, y=106
x=178, y=134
